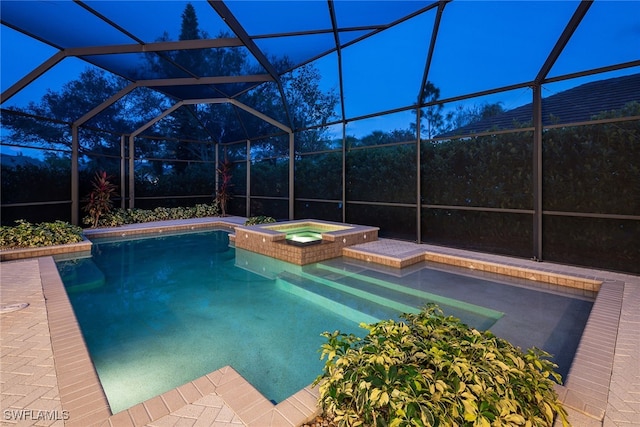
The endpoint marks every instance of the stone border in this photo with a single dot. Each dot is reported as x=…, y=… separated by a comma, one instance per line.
x=24, y=253
x=266, y=240
x=157, y=227
x=587, y=384
x=586, y=390
x=588, y=285
x=82, y=395
x=81, y=392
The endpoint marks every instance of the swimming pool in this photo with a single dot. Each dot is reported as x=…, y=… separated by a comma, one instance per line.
x=157, y=312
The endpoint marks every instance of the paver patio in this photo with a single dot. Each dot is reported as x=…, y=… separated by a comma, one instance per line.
x=47, y=378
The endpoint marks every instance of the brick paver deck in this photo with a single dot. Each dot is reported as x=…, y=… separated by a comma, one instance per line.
x=27, y=373
x=47, y=378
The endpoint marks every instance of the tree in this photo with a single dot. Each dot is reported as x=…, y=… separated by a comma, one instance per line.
x=183, y=135
x=464, y=115
x=431, y=113
x=310, y=106
x=75, y=99
x=433, y=122
x=72, y=102
x=184, y=120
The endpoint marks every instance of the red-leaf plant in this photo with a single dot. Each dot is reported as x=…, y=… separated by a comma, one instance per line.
x=223, y=195
x=98, y=202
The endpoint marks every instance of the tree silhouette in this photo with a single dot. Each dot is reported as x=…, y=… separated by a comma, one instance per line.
x=432, y=113
x=464, y=115
x=74, y=100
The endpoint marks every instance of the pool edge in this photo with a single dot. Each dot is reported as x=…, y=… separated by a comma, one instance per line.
x=81, y=392
x=414, y=253
x=576, y=394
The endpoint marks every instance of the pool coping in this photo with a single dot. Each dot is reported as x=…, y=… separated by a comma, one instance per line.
x=496, y=264
x=82, y=395
x=227, y=223
x=25, y=253
x=81, y=392
x=586, y=388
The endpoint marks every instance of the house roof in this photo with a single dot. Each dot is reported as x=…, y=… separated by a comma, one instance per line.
x=575, y=105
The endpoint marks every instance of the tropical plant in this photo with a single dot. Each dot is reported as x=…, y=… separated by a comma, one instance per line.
x=223, y=194
x=433, y=370
x=27, y=235
x=98, y=202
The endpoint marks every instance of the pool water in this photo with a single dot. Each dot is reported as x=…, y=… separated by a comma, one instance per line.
x=157, y=312
x=173, y=309
x=304, y=237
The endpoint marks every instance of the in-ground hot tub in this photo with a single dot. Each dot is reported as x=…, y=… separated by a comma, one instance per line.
x=304, y=241
x=305, y=233
x=304, y=238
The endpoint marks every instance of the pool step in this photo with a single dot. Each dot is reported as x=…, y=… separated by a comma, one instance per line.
x=348, y=301
x=85, y=276
x=338, y=306
x=403, y=298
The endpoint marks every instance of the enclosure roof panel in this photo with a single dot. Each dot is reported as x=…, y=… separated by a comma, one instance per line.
x=382, y=52
x=61, y=24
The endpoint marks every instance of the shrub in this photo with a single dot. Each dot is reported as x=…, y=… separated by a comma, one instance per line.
x=117, y=217
x=254, y=220
x=27, y=235
x=433, y=370
x=98, y=202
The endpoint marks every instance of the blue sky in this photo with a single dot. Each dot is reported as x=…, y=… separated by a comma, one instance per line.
x=481, y=45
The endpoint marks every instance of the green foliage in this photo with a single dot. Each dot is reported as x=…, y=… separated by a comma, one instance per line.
x=261, y=219
x=319, y=174
x=382, y=174
x=270, y=177
x=98, y=202
x=27, y=235
x=433, y=370
x=584, y=164
x=120, y=216
x=35, y=182
x=195, y=179
x=492, y=171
